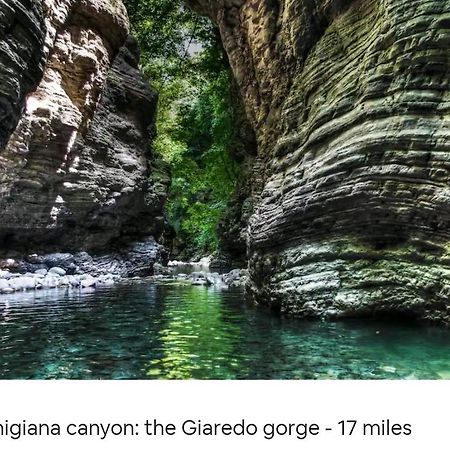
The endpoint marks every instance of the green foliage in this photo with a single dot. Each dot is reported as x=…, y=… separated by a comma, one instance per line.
x=168, y=33
x=182, y=56
x=203, y=173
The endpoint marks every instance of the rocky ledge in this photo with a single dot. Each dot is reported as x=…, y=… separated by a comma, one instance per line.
x=81, y=270
x=198, y=273
x=234, y=278
x=52, y=279
x=140, y=261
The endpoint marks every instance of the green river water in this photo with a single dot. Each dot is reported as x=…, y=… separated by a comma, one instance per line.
x=177, y=331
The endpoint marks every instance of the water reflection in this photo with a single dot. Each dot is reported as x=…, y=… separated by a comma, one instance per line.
x=197, y=336
x=176, y=331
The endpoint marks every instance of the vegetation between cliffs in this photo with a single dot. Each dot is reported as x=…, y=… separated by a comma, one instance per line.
x=183, y=58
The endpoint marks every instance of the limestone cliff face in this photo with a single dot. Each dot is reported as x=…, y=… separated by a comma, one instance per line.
x=76, y=125
x=350, y=104
x=21, y=59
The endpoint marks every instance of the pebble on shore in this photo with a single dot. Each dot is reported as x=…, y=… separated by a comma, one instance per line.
x=56, y=277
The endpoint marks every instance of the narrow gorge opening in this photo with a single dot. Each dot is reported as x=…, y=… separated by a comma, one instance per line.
x=199, y=122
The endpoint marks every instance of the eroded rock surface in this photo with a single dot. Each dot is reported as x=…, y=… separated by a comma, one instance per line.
x=81, y=270
x=21, y=58
x=350, y=104
x=76, y=171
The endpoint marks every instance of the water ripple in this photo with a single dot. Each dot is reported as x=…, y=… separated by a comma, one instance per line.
x=145, y=330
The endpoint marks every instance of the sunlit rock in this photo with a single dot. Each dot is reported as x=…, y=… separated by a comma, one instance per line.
x=77, y=120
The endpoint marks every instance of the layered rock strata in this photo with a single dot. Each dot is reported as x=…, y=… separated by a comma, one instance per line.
x=76, y=168
x=21, y=59
x=350, y=104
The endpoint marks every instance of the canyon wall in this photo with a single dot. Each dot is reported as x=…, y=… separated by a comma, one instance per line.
x=350, y=103
x=77, y=120
x=232, y=228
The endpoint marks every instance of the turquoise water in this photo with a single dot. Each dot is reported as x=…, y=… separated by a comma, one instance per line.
x=174, y=331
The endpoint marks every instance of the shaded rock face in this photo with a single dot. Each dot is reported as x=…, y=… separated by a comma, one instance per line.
x=350, y=104
x=135, y=259
x=74, y=170
x=232, y=229
x=21, y=59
